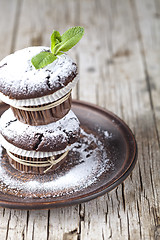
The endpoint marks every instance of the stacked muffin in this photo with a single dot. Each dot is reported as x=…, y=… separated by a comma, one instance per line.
x=39, y=129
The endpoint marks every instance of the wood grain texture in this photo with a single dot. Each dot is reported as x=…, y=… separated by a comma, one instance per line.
x=118, y=61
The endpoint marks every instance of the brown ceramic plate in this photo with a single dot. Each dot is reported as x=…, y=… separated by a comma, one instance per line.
x=111, y=158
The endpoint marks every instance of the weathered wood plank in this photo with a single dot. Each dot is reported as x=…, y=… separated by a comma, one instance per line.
x=8, y=18
x=15, y=222
x=150, y=49
x=36, y=226
x=64, y=223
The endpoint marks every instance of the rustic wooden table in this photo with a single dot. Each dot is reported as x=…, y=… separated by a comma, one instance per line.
x=119, y=66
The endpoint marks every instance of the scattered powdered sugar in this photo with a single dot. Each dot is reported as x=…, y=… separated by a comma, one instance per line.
x=20, y=80
x=107, y=134
x=87, y=162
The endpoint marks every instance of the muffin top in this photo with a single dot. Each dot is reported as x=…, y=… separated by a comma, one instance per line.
x=45, y=138
x=20, y=80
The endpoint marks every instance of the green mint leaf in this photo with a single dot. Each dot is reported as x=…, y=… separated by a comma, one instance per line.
x=55, y=39
x=70, y=38
x=43, y=59
x=59, y=45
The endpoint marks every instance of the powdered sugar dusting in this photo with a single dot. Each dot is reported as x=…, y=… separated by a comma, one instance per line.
x=107, y=134
x=89, y=161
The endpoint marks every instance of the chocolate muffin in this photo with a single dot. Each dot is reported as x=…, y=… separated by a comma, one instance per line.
x=37, y=96
x=38, y=149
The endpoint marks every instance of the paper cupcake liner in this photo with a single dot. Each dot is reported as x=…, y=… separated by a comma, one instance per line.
x=25, y=153
x=43, y=117
x=40, y=100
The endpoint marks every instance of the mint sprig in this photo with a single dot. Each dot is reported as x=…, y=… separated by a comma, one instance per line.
x=59, y=45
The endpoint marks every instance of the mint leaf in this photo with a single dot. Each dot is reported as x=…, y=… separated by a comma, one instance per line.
x=59, y=45
x=70, y=38
x=55, y=39
x=43, y=59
